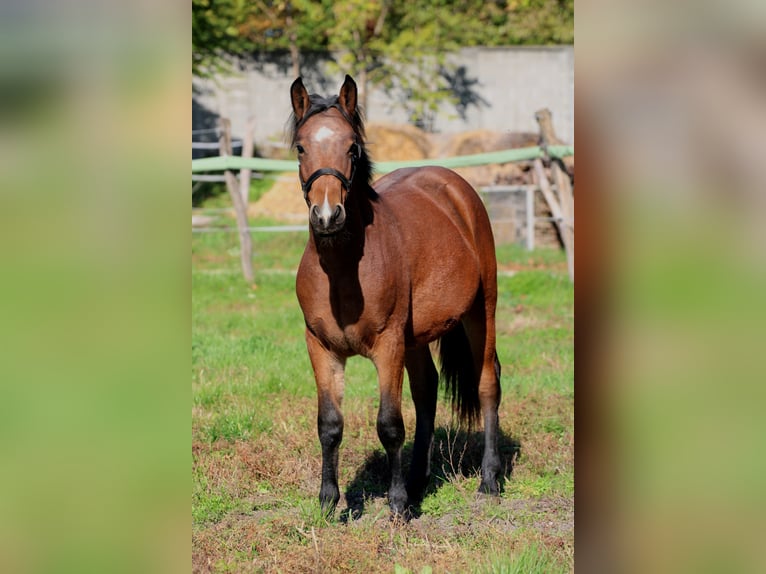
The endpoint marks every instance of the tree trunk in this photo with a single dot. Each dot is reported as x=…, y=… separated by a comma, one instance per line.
x=295, y=54
x=362, y=89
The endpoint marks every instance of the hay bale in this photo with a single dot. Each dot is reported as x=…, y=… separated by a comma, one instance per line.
x=481, y=141
x=469, y=143
x=483, y=175
x=389, y=142
x=511, y=140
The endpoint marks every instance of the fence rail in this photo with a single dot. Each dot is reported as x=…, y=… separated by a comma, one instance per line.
x=561, y=201
x=231, y=162
x=214, y=145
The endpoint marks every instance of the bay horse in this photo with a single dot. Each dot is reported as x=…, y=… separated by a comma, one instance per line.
x=385, y=272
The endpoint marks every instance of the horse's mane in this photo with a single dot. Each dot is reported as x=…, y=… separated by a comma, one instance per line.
x=319, y=104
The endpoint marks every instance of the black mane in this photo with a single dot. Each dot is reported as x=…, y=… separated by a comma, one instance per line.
x=319, y=104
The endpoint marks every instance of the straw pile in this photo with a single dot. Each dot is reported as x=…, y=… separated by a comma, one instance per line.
x=481, y=141
x=283, y=201
x=387, y=142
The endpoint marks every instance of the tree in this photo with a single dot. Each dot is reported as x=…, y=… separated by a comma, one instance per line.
x=399, y=45
x=403, y=45
x=292, y=25
x=216, y=35
x=224, y=29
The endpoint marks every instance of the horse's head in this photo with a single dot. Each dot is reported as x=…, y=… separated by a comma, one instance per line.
x=327, y=135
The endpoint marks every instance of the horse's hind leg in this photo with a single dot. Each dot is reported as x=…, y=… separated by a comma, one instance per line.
x=328, y=372
x=424, y=380
x=480, y=328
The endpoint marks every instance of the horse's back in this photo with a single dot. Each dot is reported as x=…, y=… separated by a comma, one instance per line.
x=432, y=196
x=447, y=240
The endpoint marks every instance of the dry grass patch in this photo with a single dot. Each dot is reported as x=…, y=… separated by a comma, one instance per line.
x=274, y=523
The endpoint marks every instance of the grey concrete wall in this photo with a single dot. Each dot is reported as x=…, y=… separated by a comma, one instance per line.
x=506, y=87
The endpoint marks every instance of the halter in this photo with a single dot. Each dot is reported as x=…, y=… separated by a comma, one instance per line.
x=345, y=182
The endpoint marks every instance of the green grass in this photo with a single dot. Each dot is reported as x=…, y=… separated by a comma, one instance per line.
x=533, y=559
x=257, y=458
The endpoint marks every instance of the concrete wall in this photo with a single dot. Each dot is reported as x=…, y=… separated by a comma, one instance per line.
x=503, y=87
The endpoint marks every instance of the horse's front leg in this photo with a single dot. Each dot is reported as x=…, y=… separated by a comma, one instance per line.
x=328, y=372
x=388, y=357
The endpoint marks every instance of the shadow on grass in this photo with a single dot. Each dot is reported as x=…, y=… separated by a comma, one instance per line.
x=455, y=453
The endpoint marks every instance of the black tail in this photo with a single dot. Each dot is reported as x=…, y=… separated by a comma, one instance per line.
x=459, y=376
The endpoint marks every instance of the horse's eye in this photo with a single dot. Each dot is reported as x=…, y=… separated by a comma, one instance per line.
x=300, y=148
x=353, y=150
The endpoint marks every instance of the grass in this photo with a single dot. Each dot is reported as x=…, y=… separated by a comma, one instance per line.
x=256, y=458
x=533, y=559
x=214, y=195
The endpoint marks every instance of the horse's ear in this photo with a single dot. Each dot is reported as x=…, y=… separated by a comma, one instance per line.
x=347, y=96
x=300, y=99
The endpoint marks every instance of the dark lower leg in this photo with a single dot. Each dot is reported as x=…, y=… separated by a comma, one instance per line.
x=391, y=434
x=424, y=381
x=330, y=428
x=490, y=464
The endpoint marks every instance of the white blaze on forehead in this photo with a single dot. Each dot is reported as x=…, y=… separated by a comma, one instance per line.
x=323, y=133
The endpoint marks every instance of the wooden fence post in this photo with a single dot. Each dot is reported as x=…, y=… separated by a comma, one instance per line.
x=240, y=206
x=566, y=197
x=530, y=205
x=247, y=151
x=562, y=207
x=557, y=213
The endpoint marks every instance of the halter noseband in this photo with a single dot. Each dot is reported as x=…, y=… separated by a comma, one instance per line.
x=344, y=181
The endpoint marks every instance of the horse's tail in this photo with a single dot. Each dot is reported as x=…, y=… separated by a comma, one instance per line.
x=459, y=375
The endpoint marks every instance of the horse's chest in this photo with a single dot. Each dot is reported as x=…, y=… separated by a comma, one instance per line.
x=344, y=316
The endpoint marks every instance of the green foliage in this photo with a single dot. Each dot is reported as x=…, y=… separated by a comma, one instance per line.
x=275, y=25
x=399, y=45
x=216, y=34
x=517, y=22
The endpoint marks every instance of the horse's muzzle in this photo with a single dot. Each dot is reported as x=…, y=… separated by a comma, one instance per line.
x=325, y=221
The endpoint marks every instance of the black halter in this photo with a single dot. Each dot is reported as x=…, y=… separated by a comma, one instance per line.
x=345, y=182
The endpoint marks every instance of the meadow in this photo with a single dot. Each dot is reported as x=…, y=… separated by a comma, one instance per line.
x=256, y=457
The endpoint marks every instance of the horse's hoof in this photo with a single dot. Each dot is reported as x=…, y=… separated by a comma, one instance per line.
x=397, y=499
x=400, y=517
x=328, y=502
x=489, y=488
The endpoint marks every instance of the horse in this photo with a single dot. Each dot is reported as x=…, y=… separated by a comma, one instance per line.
x=386, y=271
